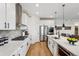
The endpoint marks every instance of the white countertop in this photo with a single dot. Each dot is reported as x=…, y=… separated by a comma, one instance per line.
x=10, y=48
x=74, y=49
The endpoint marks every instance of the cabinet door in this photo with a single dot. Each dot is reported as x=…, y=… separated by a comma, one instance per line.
x=2, y=16
x=27, y=45
x=15, y=53
x=51, y=45
x=23, y=49
x=11, y=16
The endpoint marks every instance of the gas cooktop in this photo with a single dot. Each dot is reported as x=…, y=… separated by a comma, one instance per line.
x=19, y=38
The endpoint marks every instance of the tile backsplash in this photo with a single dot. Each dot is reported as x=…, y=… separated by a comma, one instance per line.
x=10, y=33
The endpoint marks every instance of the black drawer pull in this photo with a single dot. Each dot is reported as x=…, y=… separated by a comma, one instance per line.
x=5, y=25
x=21, y=46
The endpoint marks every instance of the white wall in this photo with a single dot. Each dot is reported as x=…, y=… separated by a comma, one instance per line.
x=46, y=22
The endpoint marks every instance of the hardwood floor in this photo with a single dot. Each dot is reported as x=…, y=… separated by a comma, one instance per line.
x=39, y=49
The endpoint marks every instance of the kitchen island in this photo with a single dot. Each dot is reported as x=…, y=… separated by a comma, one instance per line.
x=62, y=41
x=15, y=48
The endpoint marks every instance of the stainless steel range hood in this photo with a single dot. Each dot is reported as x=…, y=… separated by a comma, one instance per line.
x=22, y=25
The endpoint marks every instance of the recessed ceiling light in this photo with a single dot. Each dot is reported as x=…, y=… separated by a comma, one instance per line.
x=37, y=5
x=37, y=12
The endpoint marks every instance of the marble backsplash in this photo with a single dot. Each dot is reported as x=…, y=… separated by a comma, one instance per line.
x=10, y=33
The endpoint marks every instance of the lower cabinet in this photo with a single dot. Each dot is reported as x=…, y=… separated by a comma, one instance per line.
x=56, y=49
x=22, y=50
x=53, y=47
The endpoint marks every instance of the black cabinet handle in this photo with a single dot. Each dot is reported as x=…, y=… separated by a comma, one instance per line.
x=13, y=55
x=5, y=24
x=27, y=43
x=19, y=54
x=30, y=39
x=8, y=25
x=52, y=46
x=49, y=42
x=21, y=46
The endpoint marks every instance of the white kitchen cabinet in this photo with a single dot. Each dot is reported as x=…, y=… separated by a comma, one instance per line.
x=22, y=50
x=2, y=16
x=15, y=53
x=11, y=16
x=26, y=46
x=52, y=45
x=7, y=16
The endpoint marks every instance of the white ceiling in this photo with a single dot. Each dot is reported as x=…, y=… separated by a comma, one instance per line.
x=47, y=9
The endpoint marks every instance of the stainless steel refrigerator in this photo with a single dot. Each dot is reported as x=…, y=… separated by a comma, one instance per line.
x=43, y=30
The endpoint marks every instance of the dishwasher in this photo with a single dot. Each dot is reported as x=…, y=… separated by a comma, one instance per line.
x=62, y=51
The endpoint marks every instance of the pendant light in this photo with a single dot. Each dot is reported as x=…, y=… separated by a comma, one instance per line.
x=55, y=20
x=63, y=25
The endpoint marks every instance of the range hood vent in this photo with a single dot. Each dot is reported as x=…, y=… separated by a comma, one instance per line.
x=22, y=25
x=46, y=18
x=26, y=13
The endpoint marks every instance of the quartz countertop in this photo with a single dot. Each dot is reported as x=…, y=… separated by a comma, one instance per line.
x=10, y=48
x=74, y=49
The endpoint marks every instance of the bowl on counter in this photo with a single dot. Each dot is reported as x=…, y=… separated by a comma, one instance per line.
x=72, y=40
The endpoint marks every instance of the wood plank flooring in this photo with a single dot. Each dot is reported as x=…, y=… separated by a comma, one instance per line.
x=39, y=49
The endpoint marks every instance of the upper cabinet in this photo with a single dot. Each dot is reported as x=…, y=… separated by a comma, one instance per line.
x=2, y=16
x=7, y=16
x=11, y=16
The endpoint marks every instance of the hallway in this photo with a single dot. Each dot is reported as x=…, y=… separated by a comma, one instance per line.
x=39, y=49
